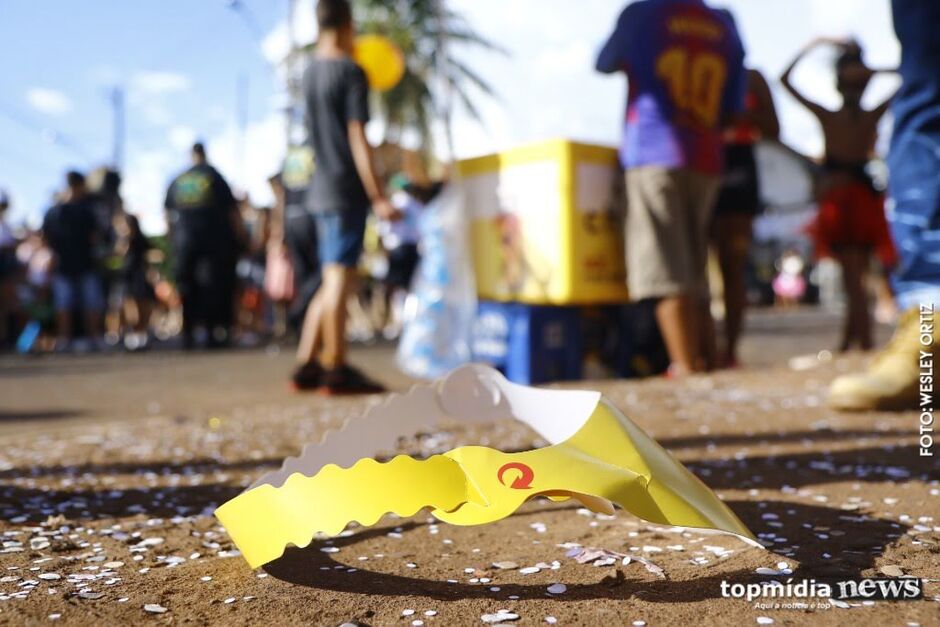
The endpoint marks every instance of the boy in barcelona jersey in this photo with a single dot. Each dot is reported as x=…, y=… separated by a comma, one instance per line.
x=684, y=64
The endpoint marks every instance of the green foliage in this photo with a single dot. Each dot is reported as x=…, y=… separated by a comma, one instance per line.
x=162, y=243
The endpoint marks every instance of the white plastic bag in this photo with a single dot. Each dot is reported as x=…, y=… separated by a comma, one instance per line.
x=440, y=309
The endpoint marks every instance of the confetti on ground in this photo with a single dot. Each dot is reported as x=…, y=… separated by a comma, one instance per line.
x=505, y=565
x=501, y=616
x=121, y=511
x=604, y=557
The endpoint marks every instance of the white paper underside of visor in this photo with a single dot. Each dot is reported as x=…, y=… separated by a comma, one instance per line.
x=470, y=394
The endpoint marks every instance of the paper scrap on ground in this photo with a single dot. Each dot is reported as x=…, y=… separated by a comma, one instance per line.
x=596, y=455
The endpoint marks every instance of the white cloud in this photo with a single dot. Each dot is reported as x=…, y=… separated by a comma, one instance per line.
x=154, y=112
x=181, y=137
x=546, y=86
x=276, y=43
x=48, y=101
x=247, y=163
x=217, y=114
x=144, y=187
x=154, y=82
x=149, y=95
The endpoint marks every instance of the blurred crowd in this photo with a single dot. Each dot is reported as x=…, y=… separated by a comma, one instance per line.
x=86, y=278
x=227, y=273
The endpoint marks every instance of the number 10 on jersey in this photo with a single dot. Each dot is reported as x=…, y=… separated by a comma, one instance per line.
x=695, y=81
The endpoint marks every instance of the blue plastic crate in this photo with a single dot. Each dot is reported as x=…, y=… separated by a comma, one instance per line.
x=529, y=343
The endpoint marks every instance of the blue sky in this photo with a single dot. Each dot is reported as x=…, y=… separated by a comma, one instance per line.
x=179, y=62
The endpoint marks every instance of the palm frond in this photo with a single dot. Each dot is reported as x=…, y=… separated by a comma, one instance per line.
x=461, y=72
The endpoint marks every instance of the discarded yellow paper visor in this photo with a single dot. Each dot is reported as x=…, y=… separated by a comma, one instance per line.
x=608, y=460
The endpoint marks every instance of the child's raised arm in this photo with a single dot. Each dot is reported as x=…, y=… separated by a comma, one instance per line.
x=817, y=109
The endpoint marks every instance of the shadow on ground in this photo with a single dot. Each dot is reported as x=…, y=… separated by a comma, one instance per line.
x=35, y=505
x=873, y=464
x=168, y=467
x=38, y=414
x=781, y=437
x=864, y=539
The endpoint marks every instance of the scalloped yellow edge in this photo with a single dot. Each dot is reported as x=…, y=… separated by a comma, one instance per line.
x=264, y=520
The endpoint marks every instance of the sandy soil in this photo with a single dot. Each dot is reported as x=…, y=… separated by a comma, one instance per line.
x=106, y=510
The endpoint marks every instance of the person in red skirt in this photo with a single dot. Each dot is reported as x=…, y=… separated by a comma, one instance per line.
x=851, y=224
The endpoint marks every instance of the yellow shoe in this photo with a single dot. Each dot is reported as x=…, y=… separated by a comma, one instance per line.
x=892, y=380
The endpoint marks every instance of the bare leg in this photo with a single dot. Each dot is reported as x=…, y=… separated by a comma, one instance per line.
x=858, y=321
x=144, y=311
x=708, y=359
x=325, y=321
x=676, y=316
x=311, y=333
x=733, y=245
x=339, y=281
x=360, y=323
x=280, y=320
x=131, y=314
x=886, y=309
x=113, y=323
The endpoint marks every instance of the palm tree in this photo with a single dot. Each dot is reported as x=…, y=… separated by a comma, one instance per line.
x=424, y=29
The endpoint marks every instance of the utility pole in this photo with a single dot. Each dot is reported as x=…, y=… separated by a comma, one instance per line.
x=293, y=88
x=241, y=113
x=117, y=112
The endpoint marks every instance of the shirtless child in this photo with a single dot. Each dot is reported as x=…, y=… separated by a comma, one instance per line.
x=851, y=221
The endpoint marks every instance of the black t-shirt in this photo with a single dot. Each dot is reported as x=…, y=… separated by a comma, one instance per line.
x=200, y=198
x=71, y=229
x=335, y=93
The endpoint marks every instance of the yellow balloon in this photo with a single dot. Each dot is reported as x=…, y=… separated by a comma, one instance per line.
x=381, y=60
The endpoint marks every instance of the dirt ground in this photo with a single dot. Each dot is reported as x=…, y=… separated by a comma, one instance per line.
x=111, y=466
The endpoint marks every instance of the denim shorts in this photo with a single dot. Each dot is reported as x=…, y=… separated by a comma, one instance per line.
x=340, y=235
x=84, y=292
